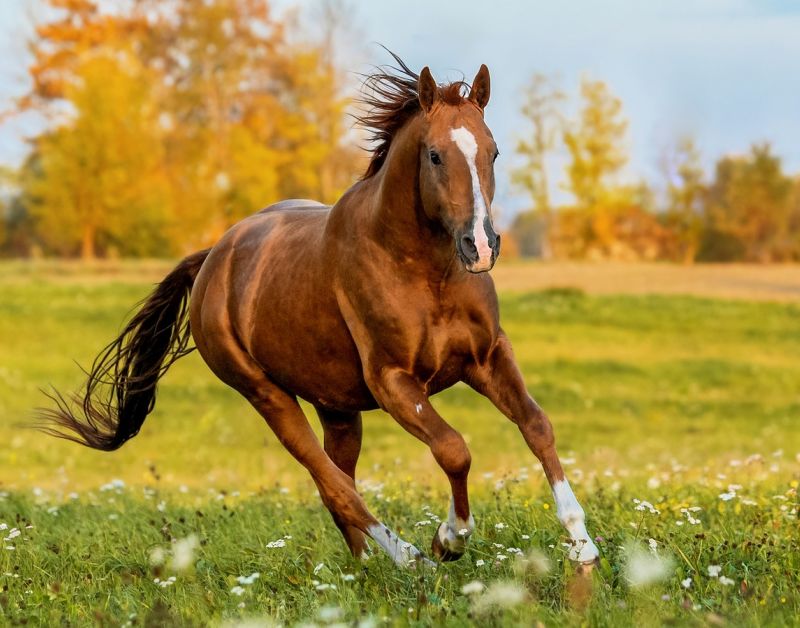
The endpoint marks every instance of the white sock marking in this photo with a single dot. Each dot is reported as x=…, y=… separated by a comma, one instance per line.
x=401, y=552
x=572, y=516
x=469, y=147
x=455, y=532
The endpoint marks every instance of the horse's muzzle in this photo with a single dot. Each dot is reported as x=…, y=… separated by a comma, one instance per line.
x=476, y=261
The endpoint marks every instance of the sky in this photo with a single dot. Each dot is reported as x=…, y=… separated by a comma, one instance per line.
x=724, y=71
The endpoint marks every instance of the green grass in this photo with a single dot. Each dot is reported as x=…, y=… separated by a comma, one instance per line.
x=657, y=398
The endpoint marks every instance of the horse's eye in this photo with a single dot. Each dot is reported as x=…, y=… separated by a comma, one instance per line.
x=496, y=155
x=435, y=159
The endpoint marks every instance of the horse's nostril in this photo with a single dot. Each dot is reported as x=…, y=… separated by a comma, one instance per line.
x=468, y=247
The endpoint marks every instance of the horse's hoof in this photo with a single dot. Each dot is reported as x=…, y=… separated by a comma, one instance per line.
x=441, y=553
x=586, y=568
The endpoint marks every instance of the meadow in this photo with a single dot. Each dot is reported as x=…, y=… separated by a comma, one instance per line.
x=676, y=417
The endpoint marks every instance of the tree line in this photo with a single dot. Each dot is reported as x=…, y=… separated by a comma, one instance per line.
x=166, y=121
x=169, y=120
x=747, y=209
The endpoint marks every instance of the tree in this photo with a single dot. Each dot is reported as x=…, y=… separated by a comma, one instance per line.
x=77, y=29
x=541, y=110
x=685, y=197
x=751, y=209
x=96, y=179
x=595, y=144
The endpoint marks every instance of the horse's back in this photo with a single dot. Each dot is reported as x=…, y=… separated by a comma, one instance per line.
x=294, y=204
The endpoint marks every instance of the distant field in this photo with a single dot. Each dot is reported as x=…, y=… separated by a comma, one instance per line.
x=737, y=281
x=672, y=399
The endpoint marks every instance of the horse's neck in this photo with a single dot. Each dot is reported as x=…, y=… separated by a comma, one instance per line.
x=397, y=216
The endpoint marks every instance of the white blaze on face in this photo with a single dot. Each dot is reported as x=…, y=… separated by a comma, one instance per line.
x=571, y=515
x=469, y=147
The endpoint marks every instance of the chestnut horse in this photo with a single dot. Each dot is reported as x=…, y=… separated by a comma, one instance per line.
x=381, y=300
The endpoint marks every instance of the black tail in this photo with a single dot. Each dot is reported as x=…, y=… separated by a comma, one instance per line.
x=121, y=389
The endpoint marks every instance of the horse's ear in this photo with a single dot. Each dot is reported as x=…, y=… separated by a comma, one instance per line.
x=481, y=87
x=427, y=89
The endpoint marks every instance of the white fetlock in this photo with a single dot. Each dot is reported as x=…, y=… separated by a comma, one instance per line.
x=583, y=551
x=452, y=540
x=404, y=554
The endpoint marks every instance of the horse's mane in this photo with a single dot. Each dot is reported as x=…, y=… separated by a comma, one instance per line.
x=390, y=99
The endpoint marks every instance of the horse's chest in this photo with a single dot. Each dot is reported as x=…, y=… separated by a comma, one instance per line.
x=449, y=345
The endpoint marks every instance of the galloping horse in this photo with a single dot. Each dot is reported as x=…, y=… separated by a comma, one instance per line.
x=381, y=300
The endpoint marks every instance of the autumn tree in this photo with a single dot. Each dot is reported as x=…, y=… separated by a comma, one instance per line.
x=540, y=109
x=176, y=118
x=96, y=179
x=752, y=210
x=596, y=144
x=75, y=30
x=541, y=112
x=685, y=192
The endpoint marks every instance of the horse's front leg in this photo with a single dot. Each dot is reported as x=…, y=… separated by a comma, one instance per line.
x=405, y=399
x=501, y=381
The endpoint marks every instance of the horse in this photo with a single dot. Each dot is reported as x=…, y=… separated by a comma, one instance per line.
x=379, y=301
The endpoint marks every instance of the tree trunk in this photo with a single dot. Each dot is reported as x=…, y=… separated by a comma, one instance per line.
x=87, y=242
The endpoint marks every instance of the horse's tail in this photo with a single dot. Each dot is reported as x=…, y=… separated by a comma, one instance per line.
x=121, y=389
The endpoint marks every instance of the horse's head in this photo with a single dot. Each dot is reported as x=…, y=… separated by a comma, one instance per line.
x=457, y=167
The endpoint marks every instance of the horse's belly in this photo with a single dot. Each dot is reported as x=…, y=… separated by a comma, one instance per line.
x=322, y=372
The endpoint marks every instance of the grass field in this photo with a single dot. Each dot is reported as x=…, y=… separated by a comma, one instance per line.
x=687, y=403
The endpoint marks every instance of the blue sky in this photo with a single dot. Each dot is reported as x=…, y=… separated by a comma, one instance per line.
x=725, y=71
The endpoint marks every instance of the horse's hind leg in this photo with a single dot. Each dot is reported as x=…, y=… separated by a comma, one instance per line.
x=283, y=414
x=342, y=432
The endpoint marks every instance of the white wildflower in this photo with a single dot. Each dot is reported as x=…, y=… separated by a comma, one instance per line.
x=237, y=590
x=248, y=579
x=499, y=526
x=686, y=583
x=645, y=505
x=13, y=534
x=276, y=543
x=165, y=583
x=535, y=562
x=157, y=556
x=325, y=587
x=473, y=587
x=526, y=537
x=480, y=562
x=330, y=614
x=713, y=570
x=653, y=544
x=644, y=568
x=348, y=577
x=319, y=568
x=725, y=581
x=726, y=497
x=500, y=594
x=115, y=484
x=3, y=526
x=183, y=552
